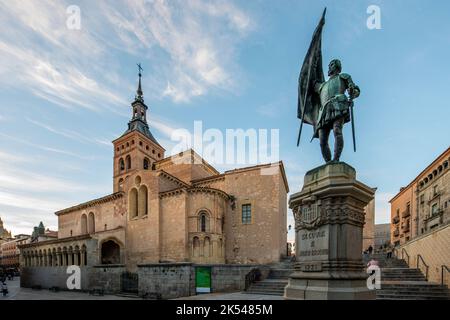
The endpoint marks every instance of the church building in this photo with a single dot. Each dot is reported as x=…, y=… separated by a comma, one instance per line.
x=170, y=209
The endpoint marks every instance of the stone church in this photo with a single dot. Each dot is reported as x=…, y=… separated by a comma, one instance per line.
x=176, y=209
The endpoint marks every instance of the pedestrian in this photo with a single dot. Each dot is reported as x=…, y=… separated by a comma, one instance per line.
x=4, y=289
x=370, y=249
x=372, y=262
x=389, y=252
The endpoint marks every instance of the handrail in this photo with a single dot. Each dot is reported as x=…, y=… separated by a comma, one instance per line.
x=442, y=273
x=407, y=255
x=252, y=276
x=395, y=251
x=423, y=261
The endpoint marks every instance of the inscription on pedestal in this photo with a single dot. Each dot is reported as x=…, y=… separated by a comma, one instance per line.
x=314, y=244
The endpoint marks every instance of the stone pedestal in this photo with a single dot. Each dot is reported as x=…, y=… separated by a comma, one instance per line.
x=329, y=220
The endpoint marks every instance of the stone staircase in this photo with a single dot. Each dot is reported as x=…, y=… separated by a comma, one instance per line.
x=276, y=280
x=399, y=282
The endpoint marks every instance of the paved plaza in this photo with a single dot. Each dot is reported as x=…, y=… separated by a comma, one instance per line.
x=18, y=293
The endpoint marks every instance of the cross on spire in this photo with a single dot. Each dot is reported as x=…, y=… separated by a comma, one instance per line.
x=139, y=92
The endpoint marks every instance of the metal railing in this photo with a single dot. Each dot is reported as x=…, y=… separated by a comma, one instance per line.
x=426, y=266
x=403, y=255
x=443, y=268
x=251, y=277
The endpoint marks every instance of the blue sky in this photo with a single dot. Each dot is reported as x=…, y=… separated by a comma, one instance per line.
x=65, y=94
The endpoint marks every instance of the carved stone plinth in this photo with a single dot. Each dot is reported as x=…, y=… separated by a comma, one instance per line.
x=329, y=220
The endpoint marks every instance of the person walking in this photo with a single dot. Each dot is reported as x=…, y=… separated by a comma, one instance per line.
x=370, y=249
x=4, y=289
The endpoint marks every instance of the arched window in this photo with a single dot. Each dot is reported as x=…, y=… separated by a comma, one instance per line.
x=120, y=184
x=203, y=221
x=196, y=247
x=128, y=161
x=91, y=223
x=207, y=248
x=133, y=203
x=121, y=164
x=146, y=163
x=220, y=248
x=83, y=224
x=143, y=197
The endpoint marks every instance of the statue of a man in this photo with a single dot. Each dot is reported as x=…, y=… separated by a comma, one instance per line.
x=334, y=110
x=324, y=104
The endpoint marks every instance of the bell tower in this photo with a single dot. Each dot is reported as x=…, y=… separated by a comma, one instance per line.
x=136, y=149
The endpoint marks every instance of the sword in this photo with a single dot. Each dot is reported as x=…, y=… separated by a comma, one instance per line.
x=352, y=117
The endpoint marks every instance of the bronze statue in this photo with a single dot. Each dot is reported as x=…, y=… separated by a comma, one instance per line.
x=324, y=104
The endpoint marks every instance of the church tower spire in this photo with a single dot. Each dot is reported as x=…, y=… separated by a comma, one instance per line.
x=140, y=94
x=136, y=149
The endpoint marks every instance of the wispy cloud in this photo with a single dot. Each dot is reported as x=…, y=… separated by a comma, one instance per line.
x=47, y=148
x=70, y=134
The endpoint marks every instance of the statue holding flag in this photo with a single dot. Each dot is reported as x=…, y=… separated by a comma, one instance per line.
x=324, y=104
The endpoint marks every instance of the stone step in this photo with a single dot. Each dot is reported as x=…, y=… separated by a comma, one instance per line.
x=409, y=297
x=266, y=292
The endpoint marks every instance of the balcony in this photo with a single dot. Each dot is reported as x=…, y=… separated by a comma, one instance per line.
x=406, y=213
x=405, y=228
x=395, y=219
x=396, y=232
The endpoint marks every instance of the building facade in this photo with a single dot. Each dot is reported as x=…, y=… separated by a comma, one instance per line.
x=176, y=209
x=10, y=253
x=382, y=235
x=424, y=204
x=369, y=225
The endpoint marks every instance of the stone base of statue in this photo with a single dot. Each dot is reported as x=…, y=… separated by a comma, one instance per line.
x=329, y=219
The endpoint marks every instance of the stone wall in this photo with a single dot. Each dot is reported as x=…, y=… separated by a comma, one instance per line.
x=263, y=240
x=434, y=249
x=226, y=277
x=174, y=280
x=107, y=277
x=48, y=277
x=171, y=280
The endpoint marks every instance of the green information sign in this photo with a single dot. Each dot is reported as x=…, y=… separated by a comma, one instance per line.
x=203, y=279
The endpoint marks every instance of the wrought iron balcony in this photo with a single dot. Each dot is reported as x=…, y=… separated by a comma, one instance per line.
x=396, y=233
x=395, y=219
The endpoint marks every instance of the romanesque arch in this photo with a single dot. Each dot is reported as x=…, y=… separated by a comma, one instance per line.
x=121, y=164
x=206, y=247
x=146, y=164
x=91, y=222
x=110, y=251
x=83, y=224
x=203, y=221
x=133, y=203
x=143, y=201
x=128, y=162
x=196, y=247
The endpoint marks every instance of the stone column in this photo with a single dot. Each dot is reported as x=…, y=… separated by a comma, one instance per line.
x=329, y=220
x=83, y=257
